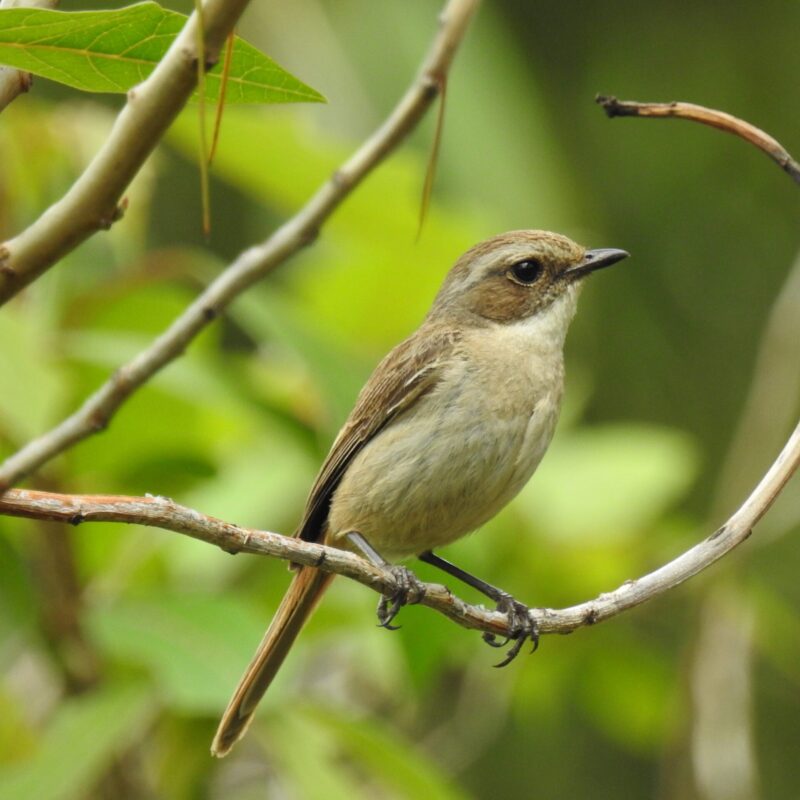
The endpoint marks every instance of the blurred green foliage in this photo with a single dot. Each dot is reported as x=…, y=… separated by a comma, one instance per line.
x=659, y=361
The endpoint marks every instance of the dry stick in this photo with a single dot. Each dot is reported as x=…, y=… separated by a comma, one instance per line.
x=226, y=72
x=706, y=116
x=252, y=264
x=161, y=512
x=433, y=160
x=92, y=202
x=726, y=122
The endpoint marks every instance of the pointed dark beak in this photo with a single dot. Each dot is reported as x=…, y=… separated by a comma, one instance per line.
x=596, y=259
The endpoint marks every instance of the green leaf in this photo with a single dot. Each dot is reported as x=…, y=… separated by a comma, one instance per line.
x=78, y=745
x=111, y=51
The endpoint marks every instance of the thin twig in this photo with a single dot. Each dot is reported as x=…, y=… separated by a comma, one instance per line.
x=223, y=88
x=163, y=513
x=744, y=130
x=706, y=116
x=433, y=159
x=202, y=157
x=92, y=202
x=254, y=263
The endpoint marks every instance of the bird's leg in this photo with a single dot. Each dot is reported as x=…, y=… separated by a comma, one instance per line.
x=521, y=625
x=409, y=589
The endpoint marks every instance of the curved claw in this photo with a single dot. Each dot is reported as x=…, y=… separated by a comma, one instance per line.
x=493, y=641
x=521, y=628
x=512, y=653
x=387, y=613
x=409, y=591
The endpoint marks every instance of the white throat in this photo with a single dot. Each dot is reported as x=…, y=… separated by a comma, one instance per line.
x=547, y=330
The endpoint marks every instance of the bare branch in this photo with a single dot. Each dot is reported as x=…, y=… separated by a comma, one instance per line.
x=163, y=513
x=744, y=130
x=92, y=202
x=14, y=82
x=706, y=116
x=254, y=263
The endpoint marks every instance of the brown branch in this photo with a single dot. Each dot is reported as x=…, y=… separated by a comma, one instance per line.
x=706, y=116
x=161, y=512
x=254, y=263
x=92, y=202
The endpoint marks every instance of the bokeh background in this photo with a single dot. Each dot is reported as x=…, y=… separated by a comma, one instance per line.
x=119, y=646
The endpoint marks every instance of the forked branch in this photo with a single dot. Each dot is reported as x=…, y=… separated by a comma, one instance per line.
x=92, y=202
x=254, y=263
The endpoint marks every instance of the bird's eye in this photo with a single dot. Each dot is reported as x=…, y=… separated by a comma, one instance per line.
x=527, y=271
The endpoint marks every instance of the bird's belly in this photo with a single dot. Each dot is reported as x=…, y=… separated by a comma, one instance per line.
x=441, y=471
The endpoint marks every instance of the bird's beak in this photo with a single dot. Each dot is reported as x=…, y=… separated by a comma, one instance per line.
x=596, y=259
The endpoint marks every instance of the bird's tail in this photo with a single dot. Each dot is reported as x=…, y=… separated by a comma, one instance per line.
x=306, y=588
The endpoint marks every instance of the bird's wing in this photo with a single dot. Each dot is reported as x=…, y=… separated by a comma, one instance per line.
x=407, y=373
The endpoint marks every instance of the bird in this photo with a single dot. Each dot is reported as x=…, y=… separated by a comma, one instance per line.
x=446, y=431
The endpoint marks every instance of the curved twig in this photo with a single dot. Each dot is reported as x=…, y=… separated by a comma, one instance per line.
x=706, y=116
x=161, y=512
x=92, y=202
x=253, y=264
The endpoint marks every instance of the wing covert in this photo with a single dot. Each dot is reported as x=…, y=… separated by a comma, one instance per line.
x=407, y=373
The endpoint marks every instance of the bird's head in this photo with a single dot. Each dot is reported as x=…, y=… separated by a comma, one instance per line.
x=517, y=275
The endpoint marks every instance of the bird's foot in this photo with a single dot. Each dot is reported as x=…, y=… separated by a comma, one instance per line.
x=521, y=628
x=409, y=590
